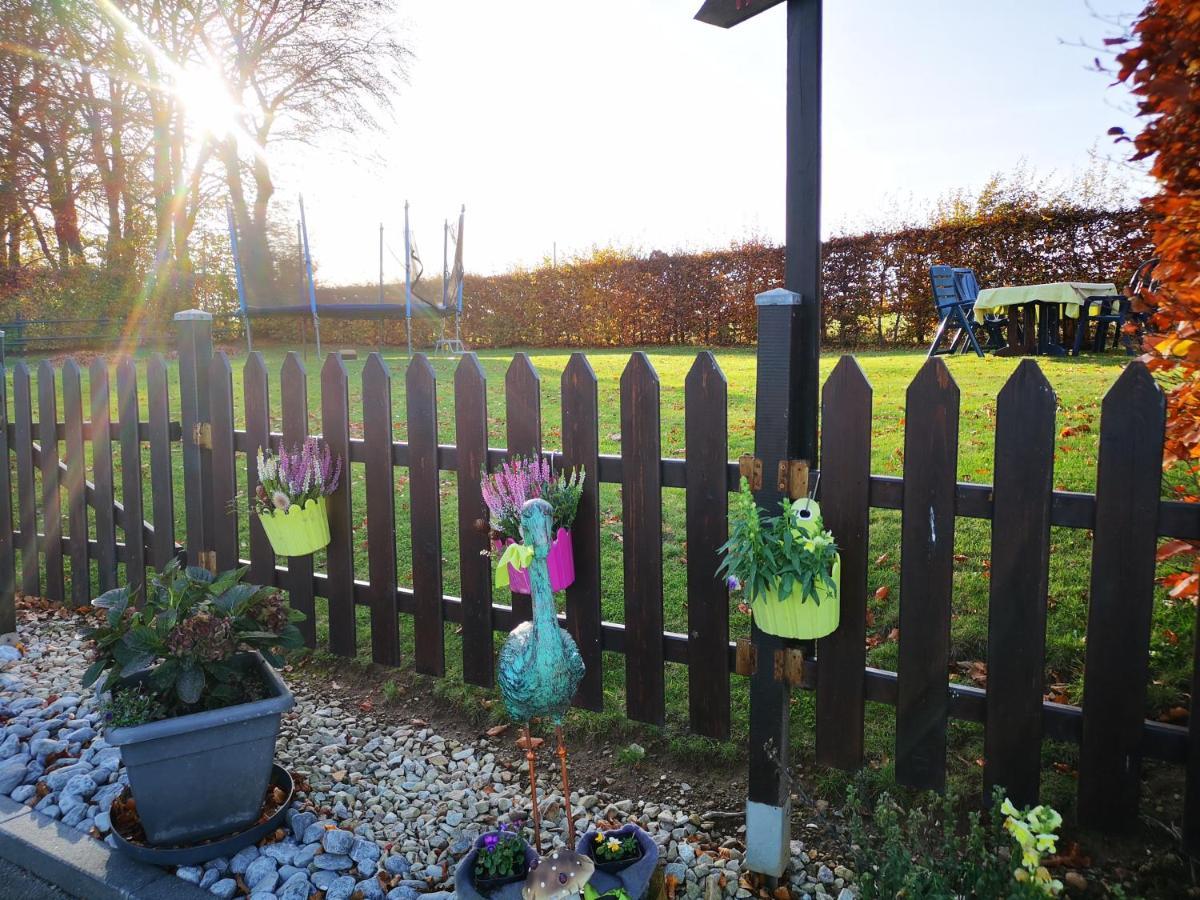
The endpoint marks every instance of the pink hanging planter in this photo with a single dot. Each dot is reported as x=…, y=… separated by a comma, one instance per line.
x=561, y=563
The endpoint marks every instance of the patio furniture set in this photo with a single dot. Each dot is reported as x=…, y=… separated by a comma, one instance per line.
x=1051, y=319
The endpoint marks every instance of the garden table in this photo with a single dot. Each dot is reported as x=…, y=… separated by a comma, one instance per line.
x=1040, y=303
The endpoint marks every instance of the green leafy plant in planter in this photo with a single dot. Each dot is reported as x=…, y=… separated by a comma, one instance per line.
x=186, y=634
x=192, y=698
x=787, y=565
x=501, y=857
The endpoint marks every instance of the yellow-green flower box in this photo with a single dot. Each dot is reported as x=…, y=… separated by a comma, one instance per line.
x=794, y=617
x=298, y=530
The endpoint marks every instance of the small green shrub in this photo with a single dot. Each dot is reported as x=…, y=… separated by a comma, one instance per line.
x=923, y=853
x=184, y=637
x=124, y=709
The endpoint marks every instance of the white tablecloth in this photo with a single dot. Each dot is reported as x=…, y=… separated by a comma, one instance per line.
x=1071, y=294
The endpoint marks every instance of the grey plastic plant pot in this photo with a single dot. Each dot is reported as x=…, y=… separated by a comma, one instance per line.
x=204, y=775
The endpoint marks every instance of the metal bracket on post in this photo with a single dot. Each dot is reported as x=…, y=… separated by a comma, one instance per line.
x=793, y=478
x=789, y=666
x=202, y=435
x=752, y=470
x=746, y=659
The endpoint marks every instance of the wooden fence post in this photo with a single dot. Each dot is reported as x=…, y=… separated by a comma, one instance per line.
x=194, y=330
x=780, y=434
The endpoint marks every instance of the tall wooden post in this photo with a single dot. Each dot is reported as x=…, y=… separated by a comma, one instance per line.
x=789, y=347
x=194, y=337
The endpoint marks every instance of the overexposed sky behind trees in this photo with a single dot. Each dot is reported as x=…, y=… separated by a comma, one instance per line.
x=627, y=123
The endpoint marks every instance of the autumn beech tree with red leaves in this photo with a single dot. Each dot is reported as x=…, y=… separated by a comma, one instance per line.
x=1160, y=62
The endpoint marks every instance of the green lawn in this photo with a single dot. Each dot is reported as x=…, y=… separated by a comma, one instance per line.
x=1080, y=385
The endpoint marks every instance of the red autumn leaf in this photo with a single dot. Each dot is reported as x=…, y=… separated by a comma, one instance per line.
x=882, y=592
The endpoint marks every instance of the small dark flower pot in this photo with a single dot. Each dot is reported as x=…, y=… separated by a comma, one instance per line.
x=631, y=874
x=205, y=774
x=468, y=887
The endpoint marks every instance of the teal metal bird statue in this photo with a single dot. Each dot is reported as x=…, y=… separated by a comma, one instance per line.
x=540, y=665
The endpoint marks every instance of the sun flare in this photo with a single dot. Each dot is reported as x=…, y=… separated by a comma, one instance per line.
x=210, y=109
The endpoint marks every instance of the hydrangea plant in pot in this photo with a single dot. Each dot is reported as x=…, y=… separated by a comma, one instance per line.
x=290, y=497
x=505, y=491
x=787, y=565
x=191, y=696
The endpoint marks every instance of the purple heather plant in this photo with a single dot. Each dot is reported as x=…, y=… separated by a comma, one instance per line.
x=524, y=478
x=295, y=476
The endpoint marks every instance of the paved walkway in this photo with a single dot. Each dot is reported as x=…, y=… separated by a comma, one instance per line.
x=20, y=885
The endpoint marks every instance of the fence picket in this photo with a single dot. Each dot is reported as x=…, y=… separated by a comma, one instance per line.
x=425, y=518
x=131, y=476
x=335, y=429
x=162, y=496
x=523, y=415
x=225, y=513
x=293, y=388
x=581, y=447
x=641, y=504
x=47, y=428
x=31, y=573
x=381, y=510
x=75, y=478
x=8, y=561
x=102, y=472
x=1116, y=665
x=926, y=576
x=1023, y=487
x=706, y=437
x=845, y=506
x=1191, y=795
x=470, y=428
x=257, y=403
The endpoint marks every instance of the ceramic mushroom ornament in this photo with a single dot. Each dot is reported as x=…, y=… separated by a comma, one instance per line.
x=558, y=876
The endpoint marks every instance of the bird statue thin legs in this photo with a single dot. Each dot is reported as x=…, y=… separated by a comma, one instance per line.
x=566, y=784
x=528, y=743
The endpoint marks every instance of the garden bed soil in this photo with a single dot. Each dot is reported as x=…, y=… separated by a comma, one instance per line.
x=1144, y=863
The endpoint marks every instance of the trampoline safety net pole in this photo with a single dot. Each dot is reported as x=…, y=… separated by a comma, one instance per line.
x=312, y=291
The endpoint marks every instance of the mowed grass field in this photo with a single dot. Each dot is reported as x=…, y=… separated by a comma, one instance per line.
x=1079, y=384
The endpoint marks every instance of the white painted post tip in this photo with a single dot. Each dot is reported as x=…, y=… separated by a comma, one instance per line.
x=768, y=837
x=778, y=297
x=189, y=315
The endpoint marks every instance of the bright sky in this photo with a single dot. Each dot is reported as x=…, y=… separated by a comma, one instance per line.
x=626, y=123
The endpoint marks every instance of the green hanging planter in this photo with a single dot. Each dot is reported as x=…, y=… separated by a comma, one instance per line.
x=797, y=616
x=794, y=617
x=300, y=530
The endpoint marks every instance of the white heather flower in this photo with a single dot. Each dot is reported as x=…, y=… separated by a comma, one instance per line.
x=280, y=501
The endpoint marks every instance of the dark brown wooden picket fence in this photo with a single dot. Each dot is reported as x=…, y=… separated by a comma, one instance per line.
x=1126, y=516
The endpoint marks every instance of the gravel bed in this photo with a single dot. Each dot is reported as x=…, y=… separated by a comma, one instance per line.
x=383, y=811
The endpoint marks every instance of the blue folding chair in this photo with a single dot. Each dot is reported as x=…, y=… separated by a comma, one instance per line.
x=1115, y=310
x=953, y=310
x=968, y=292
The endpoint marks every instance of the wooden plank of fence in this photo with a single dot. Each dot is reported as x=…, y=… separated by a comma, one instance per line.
x=425, y=517
x=102, y=473
x=220, y=412
x=844, y=494
x=8, y=561
x=51, y=490
x=293, y=388
x=1191, y=795
x=77, y=524
x=257, y=404
x=1116, y=666
x=31, y=575
x=335, y=428
x=470, y=428
x=706, y=437
x=523, y=415
x=381, y=510
x=162, y=494
x=128, y=415
x=641, y=503
x=926, y=576
x=581, y=447
x=1023, y=487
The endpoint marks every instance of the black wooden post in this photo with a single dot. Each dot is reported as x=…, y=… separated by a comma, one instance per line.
x=194, y=336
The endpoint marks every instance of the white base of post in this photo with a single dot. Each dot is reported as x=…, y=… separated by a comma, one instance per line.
x=768, y=838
